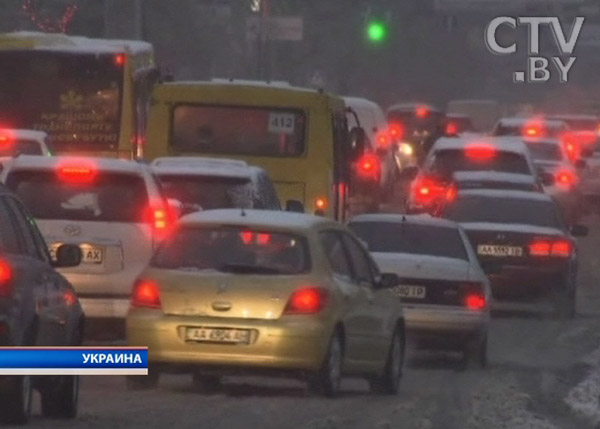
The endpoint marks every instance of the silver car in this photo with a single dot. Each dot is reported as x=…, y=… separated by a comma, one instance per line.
x=446, y=294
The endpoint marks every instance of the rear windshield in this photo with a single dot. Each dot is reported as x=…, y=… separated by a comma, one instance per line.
x=393, y=237
x=503, y=210
x=20, y=147
x=545, y=151
x=446, y=162
x=234, y=249
x=205, y=193
x=239, y=130
x=111, y=197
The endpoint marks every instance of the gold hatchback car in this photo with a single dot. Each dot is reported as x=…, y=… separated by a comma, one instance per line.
x=259, y=292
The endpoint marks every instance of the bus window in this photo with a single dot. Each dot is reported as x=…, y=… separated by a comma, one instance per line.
x=238, y=130
x=75, y=98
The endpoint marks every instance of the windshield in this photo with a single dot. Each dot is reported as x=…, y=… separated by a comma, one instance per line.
x=238, y=130
x=111, y=197
x=447, y=161
x=502, y=210
x=75, y=98
x=20, y=147
x=395, y=237
x=234, y=249
x=545, y=151
x=208, y=192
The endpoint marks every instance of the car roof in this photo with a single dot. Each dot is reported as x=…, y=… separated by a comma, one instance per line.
x=504, y=144
x=407, y=107
x=266, y=219
x=502, y=193
x=416, y=219
x=490, y=176
x=21, y=133
x=36, y=162
x=200, y=166
x=573, y=116
x=518, y=121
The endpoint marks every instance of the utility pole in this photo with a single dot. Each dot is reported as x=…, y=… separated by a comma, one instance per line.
x=263, y=48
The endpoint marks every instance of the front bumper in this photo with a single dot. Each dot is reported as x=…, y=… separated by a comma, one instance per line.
x=291, y=344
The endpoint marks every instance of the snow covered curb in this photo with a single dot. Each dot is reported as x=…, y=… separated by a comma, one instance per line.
x=584, y=398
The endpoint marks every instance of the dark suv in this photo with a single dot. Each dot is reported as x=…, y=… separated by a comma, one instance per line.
x=38, y=307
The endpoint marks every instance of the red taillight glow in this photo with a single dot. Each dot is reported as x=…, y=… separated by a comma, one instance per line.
x=160, y=219
x=566, y=178
x=120, y=59
x=561, y=248
x=321, y=203
x=395, y=131
x=532, y=132
x=383, y=139
x=451, y=128
x=146, y=294
x=77, y=174
x=247, y=237
x=475, y=301
x=306, y=301
x=429, y=190
x=451, y=193
x=70, y=298
x=263, y=239
x=480, y=152
x=368, y=163
x=540, y=248
x=422, y=112
x=5, y=279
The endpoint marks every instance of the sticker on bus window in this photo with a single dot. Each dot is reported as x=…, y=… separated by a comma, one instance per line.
x=281, y=123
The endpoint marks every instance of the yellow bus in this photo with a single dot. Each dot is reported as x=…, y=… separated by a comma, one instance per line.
x=90, y=96
x=299, y=136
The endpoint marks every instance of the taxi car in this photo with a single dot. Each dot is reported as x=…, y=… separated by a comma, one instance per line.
x=256, y=292
x=523, y=244
x=38, y=307
x=444, y=291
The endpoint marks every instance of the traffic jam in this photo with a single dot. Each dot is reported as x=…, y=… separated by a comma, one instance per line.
x=286, y=248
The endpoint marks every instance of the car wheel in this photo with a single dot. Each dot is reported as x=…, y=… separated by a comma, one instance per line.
x=15, y=402
x=328, y=379
x=475, y=353
x=142, y=382
x=60, y=400
x=206, y=383
x=388, y=383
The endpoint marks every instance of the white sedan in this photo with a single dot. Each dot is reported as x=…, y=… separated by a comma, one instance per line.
x=446, y=294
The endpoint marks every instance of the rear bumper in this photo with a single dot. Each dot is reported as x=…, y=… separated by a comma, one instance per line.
x=527, y=283
x=297, y=344
x=95, y=308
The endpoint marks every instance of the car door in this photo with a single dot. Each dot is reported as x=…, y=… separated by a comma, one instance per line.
x=49, y=297
x=339, y=261
x=372, y=310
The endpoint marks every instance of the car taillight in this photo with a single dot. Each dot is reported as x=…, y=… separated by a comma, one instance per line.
x=5, y=279
x=383, y=139
x=395, y=130
x=306, y=301
x=565, y=178
x=480, y=152
x=475, y=301
x=321, y=203
x=560, y=248
x=429, y=190
x=70, y=298
x=146, y=294
x=77, y=173
x=421, y=112
x=472, y=295
x=451, y=129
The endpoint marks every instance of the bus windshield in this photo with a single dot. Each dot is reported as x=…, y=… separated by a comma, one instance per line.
x=74, y=97
x=237, y=130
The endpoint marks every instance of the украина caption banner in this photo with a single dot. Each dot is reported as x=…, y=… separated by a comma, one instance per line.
x=74, y=360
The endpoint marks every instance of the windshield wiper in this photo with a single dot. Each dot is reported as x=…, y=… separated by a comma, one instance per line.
x=248, y=269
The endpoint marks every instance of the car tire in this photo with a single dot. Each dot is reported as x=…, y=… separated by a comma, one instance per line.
x=328, y=379
x=206, y=383
x=142, y=382
x=388, y=383
x=15, y=401
x=475, y=353
x=61, y=399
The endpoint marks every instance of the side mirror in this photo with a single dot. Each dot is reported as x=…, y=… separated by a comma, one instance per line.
x=580, y=163
x=67, y=255
x=409, y=172
x=358, y=143
x=579, y=230
x=546, y=178
x=389, y=280
x=294, y=206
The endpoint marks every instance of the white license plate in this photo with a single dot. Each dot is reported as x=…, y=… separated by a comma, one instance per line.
x=495, y=250
x=218, y=335
x=89, y=254
x=409, y=291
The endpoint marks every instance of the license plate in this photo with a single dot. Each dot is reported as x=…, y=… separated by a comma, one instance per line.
x=409, y=291
x=494, y=250
x=218, y=335
x=89, y=254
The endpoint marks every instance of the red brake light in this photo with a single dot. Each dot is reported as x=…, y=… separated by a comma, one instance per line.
x=369, y=166
x=422, y=112
x=475, y=301
x=451, y=193
x=561, y=248
x=160, y=219
x=263, y=239
x=451, y=128
x=540, y=248
x=531, y=132
x=77, y=174
x=429, y=190
x=395, y=131
x=480, y=152
x=565, y=177
x=321, y=203
x=383, y=139
x=306, y=301
x=5, y=279
x=247, y=237
x=70, y=298
x=146, y=294
x=120, y=59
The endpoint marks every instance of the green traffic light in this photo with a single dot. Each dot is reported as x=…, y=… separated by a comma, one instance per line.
x=376, y=31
